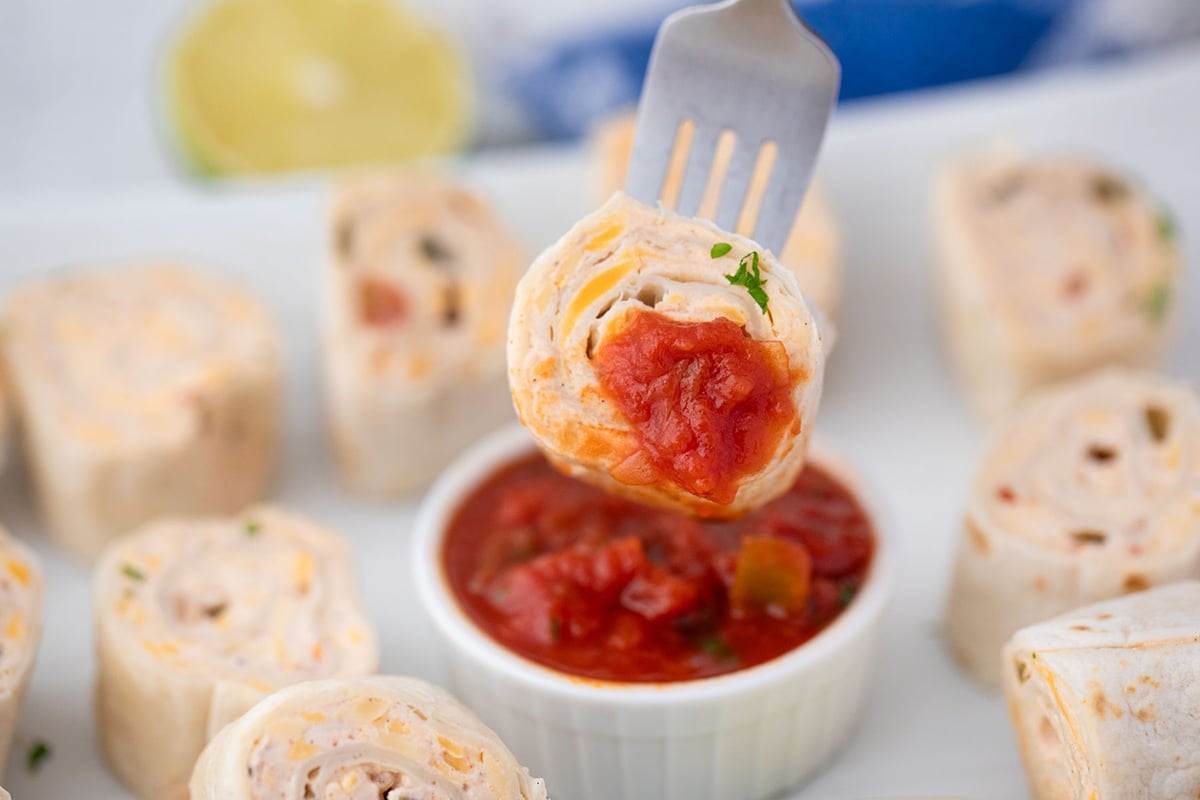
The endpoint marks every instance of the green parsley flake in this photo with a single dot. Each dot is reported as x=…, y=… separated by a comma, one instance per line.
x=846, y=593
x=39, y=751
x=748, y=275
x=253, y=527
x=1166, y=226
x=1158, y=301
x=719, y=249
x=717, y=647
x=133, y=573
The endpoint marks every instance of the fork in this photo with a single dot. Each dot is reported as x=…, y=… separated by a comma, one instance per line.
x=750, y=69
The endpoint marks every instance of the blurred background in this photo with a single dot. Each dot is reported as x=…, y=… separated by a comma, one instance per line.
x=135, y=93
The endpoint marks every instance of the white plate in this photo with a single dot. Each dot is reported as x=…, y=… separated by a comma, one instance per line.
x=889, y=405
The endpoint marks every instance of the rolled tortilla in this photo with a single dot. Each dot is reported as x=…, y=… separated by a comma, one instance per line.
x=143, y=390
x=198, y=619
x=22, y=593
x=364, y=738
x=4, y=424
x=1104, y=700
x=1090, y=491
x=813, y=251
x=637, y=365
x=1048, y=269
x=417, y=295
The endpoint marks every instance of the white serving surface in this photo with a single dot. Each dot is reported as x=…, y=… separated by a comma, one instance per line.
x=890, y=403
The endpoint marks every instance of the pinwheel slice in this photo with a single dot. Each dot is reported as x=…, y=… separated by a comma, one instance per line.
x=1091, y=491
x=666, y=360
x=417, y=294
x=4, y=424
x=22, y=593
x=1048, y=269
x=813, y=251
x=368, y=738
x=1104, y=699
x=142, y=390
x=198, y=619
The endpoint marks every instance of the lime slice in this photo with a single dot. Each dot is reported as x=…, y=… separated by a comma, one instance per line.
x=262, y=86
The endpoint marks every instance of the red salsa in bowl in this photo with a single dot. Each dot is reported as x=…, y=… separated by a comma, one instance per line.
x=600, y=587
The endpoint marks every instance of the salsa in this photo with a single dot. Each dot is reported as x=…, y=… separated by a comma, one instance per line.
x=597, y=586
x=709, y=404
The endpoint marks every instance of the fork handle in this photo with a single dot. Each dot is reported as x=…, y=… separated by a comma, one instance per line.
x=768, y=10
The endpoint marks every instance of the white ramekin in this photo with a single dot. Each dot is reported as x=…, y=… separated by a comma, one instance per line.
x=741, y=736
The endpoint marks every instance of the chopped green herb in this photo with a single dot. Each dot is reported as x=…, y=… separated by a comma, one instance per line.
x=717, y=647
x=1166, y=225
x=1033, y=656
x=719, y=249
x=748, y=275
x=1158, y=301
x=846, y=593
x=556, y=629
x=39, y=751
x=253, y=527
x=1158, y=421
x=133, y=572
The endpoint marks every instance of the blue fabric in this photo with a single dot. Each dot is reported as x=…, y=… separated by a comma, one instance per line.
x=895, y=45
x=583, y=80
x=884, y=45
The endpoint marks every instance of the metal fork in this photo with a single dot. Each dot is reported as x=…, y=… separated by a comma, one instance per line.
x=747, y=66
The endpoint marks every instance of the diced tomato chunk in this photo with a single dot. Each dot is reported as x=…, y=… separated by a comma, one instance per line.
x=567, y=593
x=656, y=594
x=381, y=303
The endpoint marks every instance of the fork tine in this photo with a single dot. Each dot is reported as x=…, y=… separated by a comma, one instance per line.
x=699, y=165
x=781, y=202
x=748, y=67
x=653, y=142
x=737, y=182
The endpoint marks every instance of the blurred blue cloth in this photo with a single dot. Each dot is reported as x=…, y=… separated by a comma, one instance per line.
x=884, y=45
x=892, y=45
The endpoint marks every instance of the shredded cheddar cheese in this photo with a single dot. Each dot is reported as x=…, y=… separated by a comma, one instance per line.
x=597, y=287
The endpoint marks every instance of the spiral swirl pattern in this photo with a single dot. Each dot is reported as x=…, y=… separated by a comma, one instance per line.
x=198, y=619
x=1090, y=491
x=624, y=262
x=361, y=739
x=143, y=390
x=1049, y=268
